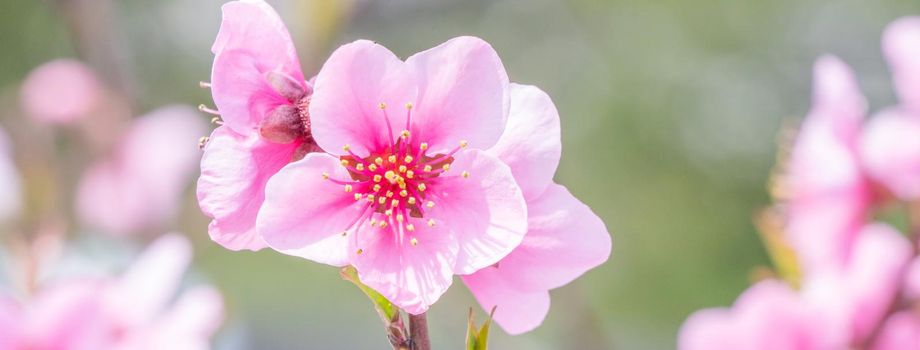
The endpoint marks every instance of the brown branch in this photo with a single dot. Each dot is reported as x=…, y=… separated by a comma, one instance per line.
x=418, y=330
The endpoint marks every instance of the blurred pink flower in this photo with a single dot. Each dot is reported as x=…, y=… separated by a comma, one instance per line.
x=10, y=183
x=405, y=201
x=60, y=92
x=261, y=95
x=130, y=312
x=891, y=144
x=140, y=185
x=901, y=332
x=564, y=238
x=828, y=192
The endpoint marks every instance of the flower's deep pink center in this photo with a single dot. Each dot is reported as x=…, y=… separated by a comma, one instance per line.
x=396, y=182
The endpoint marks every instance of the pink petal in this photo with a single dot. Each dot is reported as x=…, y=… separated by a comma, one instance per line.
x=463, y=94
x=711, y=329
x=11, y=315
x=912, y=282
x=305, y=215
x=564, y=240
x=890, y=148
x=251, y=43
x=411, y=276
x=234, y=171
x=486, y=212
x=60, y=92
x=901, y=44
x=189, y=325
x=531, y=143
x=349, y=91
x=108, y=197
x=144, y=290
x=901, y=332
x=517, y=311
x=828, y=194
x=68, y=316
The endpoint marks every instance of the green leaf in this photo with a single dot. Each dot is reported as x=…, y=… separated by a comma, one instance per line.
x=478, y=339
x=387, y=311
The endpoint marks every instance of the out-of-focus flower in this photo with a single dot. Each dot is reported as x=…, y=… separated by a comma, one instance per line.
x=10, y=185
x=406, y=195
x=262, y=98
x=564, y=238
x=828, y=194
x=901, y=332
x=767, y=316
x=60, y=92
x=130, y=312
x=140, y=185
x=901, y=45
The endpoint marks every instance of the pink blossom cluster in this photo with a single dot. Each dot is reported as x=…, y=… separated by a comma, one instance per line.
x=133, y=311
x=412, y=171
x=859, y=285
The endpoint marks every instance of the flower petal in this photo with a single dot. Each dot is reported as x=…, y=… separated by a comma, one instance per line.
x=531, y=144
x=305, y=215
x=486, y=212
x=517, y=311
x=463, y=94
x=349, y=89
x=231, y=189
x=252, y=42
x=901, y=44
x=890, y=148
x=412, y=276
x=901, y=331
x=564, y=240
x=61, y=92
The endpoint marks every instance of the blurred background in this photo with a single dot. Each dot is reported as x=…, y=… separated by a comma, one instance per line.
x=671, y=112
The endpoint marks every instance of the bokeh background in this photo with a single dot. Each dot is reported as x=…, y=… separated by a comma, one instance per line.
x=670, y=115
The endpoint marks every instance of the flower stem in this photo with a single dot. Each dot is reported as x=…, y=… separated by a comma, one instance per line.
x=418, y=330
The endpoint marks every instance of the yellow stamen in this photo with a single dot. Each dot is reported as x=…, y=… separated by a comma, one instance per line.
x=403, y=193
x=389, y=194
x=446, y=167
x=404, y=134
x=391, y=159
x=421, y=187
x=379, y=161
x=382, y=105
x=344, y=162
x=402, y=168
x=410, y=174
x=381, y=200
x=400, y=217
x=413, y=241
x=376, y=187
x=358, y=196
x=465, y=174
x=409, y=105
x=377, y=178
x=382, y=224
x=408, y=159
x=370, y=198
x=360, y=251
x=346, y=147
x=430, y=204
x=372, y=167
x=410, y=227
x=394, y=203
x=411, y=200
x=348, y=188
x=325, y=176
x=359, y=167
x=423, y=146
x=463, y=144
x=430, y=222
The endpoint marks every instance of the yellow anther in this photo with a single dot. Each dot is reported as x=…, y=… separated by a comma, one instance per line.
x=423, y=146
x=412, y=241
x=410, y=174
x=404, y=134
x=388, y=212
x=348, y=188
x=382, y=105
x=382, y=224
x=430, y=222
x=465, y=174
x=409, y=105
x=410, y=227
x=381, y=200
x=446, y=167
x=422, y=187
x=360, y=251
x=390, y=176
x=403, y=193
x=408, y=159
x=427, y=168
x=402, y=185
x=411, y=200
x=359, y=167
x=463, y=143
x=379, y=161
x=376, y=187
x=346, y=147
x=391, y=159
x=402, y=168
x=370, y=198
x=430, y=204
x=372, y=167
x=400, y=217
x=358, y=196
x=344, y=162
x=325, y=176
x=394, y=203
x=377, y=178
x=373, y=221
x=389, y=194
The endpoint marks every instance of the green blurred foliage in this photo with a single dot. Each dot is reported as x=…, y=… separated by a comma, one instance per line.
x=670, y=111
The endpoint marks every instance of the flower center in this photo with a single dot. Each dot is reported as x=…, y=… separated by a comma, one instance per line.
x=396, y=183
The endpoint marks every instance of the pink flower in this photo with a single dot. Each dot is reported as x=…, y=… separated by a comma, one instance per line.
x=130, y=312
x=901, y=332
x=60, y=92
x=891, y=145
x=564, y=238
x=140, y=185
x=406, y=195
x=767, y=316
x=10, y=183
x=828, y=192
x=262, y=98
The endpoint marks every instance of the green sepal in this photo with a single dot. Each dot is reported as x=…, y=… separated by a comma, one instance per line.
x=478, y=339
x=387, y=311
